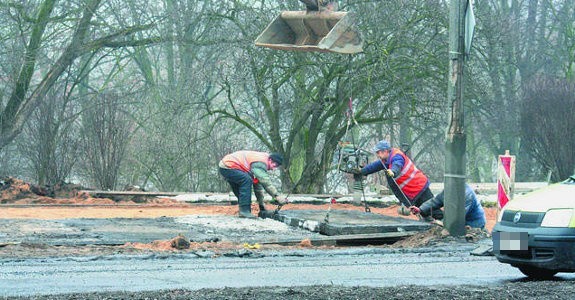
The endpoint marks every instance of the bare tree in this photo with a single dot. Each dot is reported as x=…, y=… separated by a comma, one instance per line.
x=546, y=123
x=295, y=103
x=33, y=81
x=106, y=129
x=181, y=152
x=50, y=141
x=515, y=41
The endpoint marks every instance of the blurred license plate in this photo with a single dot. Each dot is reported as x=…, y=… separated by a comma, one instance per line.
x=510, y=241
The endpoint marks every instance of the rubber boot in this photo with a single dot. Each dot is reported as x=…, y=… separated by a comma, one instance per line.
x=246, y=212
x=264, y=213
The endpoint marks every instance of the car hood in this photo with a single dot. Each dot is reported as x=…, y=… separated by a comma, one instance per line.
x=555, y=196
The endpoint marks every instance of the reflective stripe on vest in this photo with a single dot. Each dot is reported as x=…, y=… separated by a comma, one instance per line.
x=410, y=179
x=242, y=160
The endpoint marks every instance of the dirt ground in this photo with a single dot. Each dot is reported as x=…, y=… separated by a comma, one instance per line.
x=20, y=202
x=171, y=208
x=68, y=201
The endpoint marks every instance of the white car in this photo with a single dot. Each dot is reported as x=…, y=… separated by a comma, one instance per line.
x=536, y=231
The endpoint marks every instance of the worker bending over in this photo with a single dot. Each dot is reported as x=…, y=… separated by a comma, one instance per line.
x=474, y=213
x=244, y=169
x=400, y=168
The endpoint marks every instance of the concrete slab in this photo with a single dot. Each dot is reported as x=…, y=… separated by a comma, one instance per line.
x=303, y=224
x=346, y=222
x=349, y=239
x=118, y=231
x=71, y=232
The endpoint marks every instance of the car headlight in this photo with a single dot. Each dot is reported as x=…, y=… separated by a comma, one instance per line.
x=557, y=218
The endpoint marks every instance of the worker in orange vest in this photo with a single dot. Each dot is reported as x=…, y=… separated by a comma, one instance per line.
x=412, y=182
x=244, y=169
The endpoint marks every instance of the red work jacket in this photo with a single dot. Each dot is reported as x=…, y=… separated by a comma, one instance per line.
x=410, y=179
x=242, y=160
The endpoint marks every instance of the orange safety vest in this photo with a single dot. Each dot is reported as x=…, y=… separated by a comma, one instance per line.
x=410, y=179
x=242, y=160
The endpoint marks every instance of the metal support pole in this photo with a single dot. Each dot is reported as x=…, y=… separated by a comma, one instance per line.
x=455, y=144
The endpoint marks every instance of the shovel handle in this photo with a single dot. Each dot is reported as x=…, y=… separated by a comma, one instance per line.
x=402, y=197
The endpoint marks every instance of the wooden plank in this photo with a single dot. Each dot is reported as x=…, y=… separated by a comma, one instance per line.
x=374, y=238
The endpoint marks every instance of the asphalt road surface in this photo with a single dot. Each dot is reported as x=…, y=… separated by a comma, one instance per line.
x=372, y=267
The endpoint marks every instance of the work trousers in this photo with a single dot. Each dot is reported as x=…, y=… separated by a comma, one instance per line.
x=479, y=223
x=241, y=183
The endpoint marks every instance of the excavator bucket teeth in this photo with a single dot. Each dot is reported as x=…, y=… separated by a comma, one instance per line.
x=319, y=31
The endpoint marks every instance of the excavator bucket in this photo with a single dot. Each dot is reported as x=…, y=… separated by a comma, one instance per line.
x=320, y=31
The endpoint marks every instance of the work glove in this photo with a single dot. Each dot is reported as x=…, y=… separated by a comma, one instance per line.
x=356, y=171
x=415, y=210
x=281, y=199
x=390, y=173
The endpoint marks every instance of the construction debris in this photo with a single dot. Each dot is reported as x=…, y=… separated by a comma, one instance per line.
x=483, y=250
x=15, y=191
x=437, y=235
x=180, y=242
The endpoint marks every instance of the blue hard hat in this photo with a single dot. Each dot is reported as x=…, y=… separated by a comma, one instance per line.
x=381, y=145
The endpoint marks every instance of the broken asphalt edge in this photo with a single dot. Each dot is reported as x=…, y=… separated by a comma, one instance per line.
x=440, y=249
